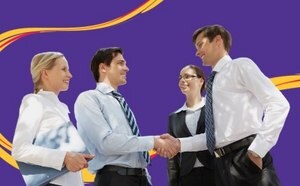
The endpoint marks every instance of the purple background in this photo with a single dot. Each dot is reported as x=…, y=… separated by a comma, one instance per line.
x=157, y=45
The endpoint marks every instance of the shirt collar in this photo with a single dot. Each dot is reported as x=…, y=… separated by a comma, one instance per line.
x=48, y=94
x=221, y=63
x=104, y=88
x=196, y=107
x=54, y=98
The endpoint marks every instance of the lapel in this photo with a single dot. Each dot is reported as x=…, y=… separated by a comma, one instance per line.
x=201, y=122
x=182, y=129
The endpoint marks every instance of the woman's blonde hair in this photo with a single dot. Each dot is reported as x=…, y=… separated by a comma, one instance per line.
x=39, y=62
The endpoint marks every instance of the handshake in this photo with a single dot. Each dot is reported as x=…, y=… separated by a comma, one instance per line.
x=166, y=145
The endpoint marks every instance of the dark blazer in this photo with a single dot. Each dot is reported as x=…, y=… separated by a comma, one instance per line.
x=183, y=163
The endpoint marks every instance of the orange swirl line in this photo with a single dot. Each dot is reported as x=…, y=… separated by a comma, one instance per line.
x=11, y=36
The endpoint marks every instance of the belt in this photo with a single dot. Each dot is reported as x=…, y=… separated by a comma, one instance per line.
x=234, y=146
x=124, y=171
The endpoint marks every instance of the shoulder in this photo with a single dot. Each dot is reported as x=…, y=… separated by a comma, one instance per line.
x=90, y=97
x=243, y=62
x=32, y=98
x=172, y=114
x=243, y=65
x=175, y=113
x=33, y=101
x=88, y=94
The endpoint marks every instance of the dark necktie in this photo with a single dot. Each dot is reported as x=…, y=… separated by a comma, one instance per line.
x=131, y=120
x=209, y=117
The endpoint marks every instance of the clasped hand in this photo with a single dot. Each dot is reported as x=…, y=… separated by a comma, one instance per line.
x=166, y=145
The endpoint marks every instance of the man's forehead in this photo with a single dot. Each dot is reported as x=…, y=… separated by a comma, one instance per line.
x=119, y=57
x=199, y=38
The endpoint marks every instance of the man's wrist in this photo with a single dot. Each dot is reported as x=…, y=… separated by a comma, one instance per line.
x=253, y=154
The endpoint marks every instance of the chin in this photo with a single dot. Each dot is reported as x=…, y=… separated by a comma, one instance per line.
x=65, y=88
x=204, y=63
x=123, y=82
x=184, y=91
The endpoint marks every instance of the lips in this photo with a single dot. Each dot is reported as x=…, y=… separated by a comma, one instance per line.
x=202, y=56
x=66, y=81
x=183, y=86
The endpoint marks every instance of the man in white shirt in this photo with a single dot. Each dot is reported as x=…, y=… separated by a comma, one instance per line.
x=248, y=113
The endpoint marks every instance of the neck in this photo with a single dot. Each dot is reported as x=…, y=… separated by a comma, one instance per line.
x=219, y=57
x=191, y=101
x=106, y=81
x=49, y=90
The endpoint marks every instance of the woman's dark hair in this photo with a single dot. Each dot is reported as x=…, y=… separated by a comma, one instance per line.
x=200, y=74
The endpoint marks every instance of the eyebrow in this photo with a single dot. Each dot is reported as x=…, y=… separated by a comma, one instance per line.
x=121, y=60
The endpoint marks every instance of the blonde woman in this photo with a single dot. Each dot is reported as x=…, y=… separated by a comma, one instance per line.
x=40, y=114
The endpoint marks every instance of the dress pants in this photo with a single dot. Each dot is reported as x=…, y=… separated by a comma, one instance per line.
x=236, y=169
x=200, y=176
x=114, y=179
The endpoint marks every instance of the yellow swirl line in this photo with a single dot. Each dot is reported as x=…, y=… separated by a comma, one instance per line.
x=282, y=82
x=287, y=82
x=11, y=36
x=5, y=143
x=153, y=5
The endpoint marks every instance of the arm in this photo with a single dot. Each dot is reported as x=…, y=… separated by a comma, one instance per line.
x=194, y=143
x=93, y=125
x=30, y=116
x=274, y=104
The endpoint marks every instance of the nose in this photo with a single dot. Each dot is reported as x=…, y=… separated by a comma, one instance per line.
x=70, y=75
x=197, y=53
x=181, y=80
x=126, y=68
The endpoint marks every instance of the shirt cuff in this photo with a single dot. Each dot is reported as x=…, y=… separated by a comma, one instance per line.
x=259, y=146
x=186, y=144
x=146, y=143
x=56, y=160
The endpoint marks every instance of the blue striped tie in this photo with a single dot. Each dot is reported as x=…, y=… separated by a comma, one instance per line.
x=209, y=116
x=131, y=119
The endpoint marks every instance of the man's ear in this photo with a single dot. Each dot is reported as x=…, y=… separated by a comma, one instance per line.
x=102, y=68
x=219, y=40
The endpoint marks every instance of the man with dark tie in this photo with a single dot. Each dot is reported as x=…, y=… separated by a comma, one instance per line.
x=109, y=129
x=244, y=114
x=190, y=168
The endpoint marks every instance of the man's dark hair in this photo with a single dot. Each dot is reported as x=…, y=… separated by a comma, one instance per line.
x=103, y=55
x=212, y=31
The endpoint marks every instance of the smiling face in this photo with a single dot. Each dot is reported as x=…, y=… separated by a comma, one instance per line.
x=189, y=82
x=115, y=74
x=58, y=77
x=208, y=51
x=212, y=42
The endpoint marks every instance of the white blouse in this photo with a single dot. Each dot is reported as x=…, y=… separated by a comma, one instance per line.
x=39, y=113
